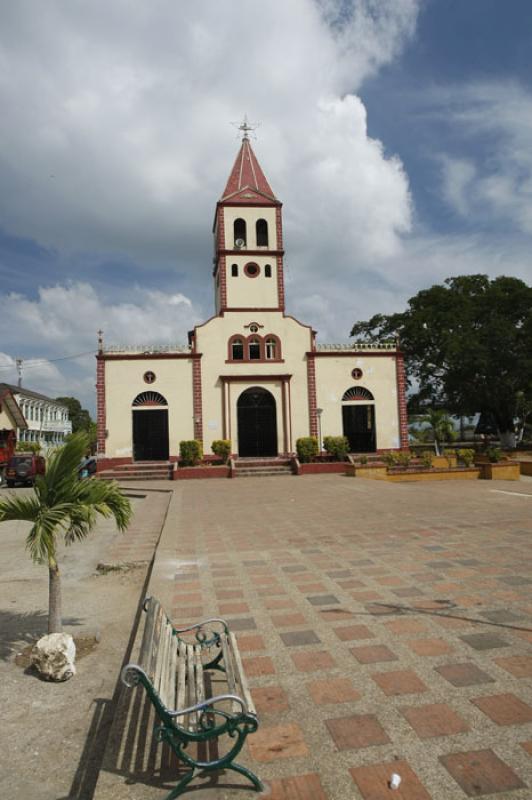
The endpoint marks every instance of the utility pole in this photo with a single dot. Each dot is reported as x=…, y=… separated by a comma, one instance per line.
x=18, y=362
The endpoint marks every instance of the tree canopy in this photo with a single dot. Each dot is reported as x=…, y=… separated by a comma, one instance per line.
x=467, y=344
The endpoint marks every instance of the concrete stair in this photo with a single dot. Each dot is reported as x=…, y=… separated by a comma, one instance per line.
x=261, y=467
x=139, y=471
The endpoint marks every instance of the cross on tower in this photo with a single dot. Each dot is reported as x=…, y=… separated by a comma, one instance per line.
x=247, y=127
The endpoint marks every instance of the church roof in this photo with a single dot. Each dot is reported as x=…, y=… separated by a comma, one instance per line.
x=247, y=182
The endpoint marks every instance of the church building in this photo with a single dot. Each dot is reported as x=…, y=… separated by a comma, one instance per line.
x=251, y=373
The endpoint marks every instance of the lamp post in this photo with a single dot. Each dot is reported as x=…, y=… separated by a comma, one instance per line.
x=319, y=412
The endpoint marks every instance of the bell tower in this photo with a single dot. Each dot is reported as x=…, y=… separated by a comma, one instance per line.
x=248, y=239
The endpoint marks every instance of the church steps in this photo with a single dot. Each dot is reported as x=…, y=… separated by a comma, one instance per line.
x=155, y=471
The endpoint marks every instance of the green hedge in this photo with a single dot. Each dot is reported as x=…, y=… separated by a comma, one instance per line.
x=307, y=447
x=191, y=452
x=336, y=446
x=222, y=449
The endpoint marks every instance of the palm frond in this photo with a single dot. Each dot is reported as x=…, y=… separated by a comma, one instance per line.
x=20, y=508
x=41, y=540
x=61, y=476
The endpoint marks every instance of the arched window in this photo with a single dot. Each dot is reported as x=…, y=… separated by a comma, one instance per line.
x=272, y=348
x=268, y=271
x=239, y=230
x=149, y=399
x=254, y=348
x=262, y=233
x=357, y=393
x=234, y=270
x=237, y=350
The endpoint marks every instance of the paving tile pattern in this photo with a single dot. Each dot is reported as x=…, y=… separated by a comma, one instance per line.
x=384, y=628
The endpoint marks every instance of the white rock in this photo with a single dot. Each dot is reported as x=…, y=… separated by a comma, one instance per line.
x=395, y=781
x=54, y=656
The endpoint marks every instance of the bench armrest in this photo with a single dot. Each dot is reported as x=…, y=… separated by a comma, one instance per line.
x=132, y=673
x=198, y=625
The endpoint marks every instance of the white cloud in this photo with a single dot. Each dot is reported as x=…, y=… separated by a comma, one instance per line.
x=63, y=320
x=115, y=118
x=495, y=183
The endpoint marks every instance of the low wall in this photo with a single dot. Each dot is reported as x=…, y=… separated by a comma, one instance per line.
x=191, y=473
x=465, y=474
x=318, y=467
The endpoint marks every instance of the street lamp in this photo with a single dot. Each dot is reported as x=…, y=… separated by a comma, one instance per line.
x=319, y=412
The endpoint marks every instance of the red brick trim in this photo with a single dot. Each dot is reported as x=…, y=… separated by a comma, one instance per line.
x=251, y=274
x=146, y=356
x=247, y=251
x=100, y=404
x=311, y=385
x=197, y=400
x=248, y=308
x=280, y=268
x=401, y=400
x=254, y=378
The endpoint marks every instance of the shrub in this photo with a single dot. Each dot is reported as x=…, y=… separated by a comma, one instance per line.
x=29, y=447
x=336, y=446
x=467, y=456
x=191, y=452
x=307, y=447
x=426, y=459
x=404, y=458
x=222, y=449
x=363, y=460
x=494, y=454
x=391, y=459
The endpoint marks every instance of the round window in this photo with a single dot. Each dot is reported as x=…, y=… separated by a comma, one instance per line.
x=149, y=377
x=357, y=373
x=254, y=328
x=252, y=270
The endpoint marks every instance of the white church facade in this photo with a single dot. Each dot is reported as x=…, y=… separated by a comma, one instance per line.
x=251, y=373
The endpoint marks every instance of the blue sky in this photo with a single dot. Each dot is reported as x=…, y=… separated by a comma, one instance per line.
x=397, y=133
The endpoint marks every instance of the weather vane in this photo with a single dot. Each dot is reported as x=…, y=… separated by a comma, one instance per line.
x=246, y=128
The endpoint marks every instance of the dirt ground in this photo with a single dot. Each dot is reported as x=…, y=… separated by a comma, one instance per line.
x=53, y=734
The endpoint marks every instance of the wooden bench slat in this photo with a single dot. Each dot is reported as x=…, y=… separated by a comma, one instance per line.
x=200, y=680
x=191, y=686
x=241, y=676
x=172, y=674
x=147, y=637
x=229, y=670
x=159, y=618
x=182, y=679
x=161, y=669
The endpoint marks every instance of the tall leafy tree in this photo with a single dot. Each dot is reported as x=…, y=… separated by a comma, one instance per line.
x=467, y=345
x=63, y=506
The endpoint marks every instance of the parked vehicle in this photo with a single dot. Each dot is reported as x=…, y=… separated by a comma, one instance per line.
x=23, y=468
x=8, y=441
x=87, y=467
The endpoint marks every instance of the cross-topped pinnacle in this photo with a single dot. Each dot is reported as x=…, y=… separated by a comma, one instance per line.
x=247, y=128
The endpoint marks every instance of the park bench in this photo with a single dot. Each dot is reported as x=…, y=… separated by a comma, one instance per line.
x=173, y=666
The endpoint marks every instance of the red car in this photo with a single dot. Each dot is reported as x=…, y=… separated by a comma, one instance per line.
x=24, y=468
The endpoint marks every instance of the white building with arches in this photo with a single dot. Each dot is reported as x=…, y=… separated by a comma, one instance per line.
x=251, y=373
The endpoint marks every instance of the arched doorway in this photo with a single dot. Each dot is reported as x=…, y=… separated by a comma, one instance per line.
x=358, y=417
x=150, y=427
x=257, y=423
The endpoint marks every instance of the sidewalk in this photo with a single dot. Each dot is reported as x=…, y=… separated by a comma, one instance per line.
x=385, y=628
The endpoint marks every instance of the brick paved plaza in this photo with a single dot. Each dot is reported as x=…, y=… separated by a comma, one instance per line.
x=387, y=628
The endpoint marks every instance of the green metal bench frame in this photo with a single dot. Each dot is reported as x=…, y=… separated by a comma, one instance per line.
x=166, y=660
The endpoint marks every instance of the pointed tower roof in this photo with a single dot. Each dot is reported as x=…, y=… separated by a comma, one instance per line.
x=247, y=182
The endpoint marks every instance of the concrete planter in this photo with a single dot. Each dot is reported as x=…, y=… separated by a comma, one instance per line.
x=500, y=471
x=526, y=467
x=376, y=472
x=455, y=474
x=317, y=468
x=444, y=462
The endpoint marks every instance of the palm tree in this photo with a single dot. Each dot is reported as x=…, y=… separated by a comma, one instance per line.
x=62, y=505
x=439, y=423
